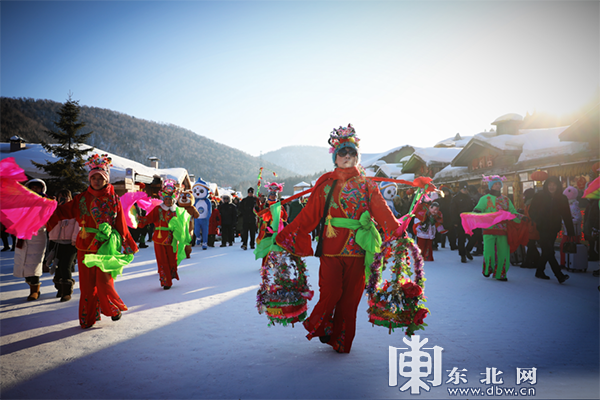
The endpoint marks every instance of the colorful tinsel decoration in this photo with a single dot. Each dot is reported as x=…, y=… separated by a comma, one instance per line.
x=398, y=303
x=284, y=299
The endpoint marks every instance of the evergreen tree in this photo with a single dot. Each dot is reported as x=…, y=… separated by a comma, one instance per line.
x=68, y=172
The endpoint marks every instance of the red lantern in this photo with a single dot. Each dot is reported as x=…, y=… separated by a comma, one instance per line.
x=539, y=176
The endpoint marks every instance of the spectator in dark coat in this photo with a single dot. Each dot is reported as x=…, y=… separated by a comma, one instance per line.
x=591, y=226
x=228, y=220
x=446, y=215
x=461, y=203
x=248, y=208
x=548, y=208
x=532, y=257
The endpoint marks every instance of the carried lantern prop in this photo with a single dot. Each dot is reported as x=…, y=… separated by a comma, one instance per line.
x=539, y=176
x=398, y=303
x=283, y=300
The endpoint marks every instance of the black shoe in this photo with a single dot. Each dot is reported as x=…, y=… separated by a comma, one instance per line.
x=563, y=278
x=143, y=245
x=252, y=247
x=477, y=254
x=503, y=279
x=244, y=247
x=166, y=287
x=469, y=256
x=223, y=245
x=5, y=249
x=325, y=339
x=117, y=317
x=463, y=259
x=542, y=276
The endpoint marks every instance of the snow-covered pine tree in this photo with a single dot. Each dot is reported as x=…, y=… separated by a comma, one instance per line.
x=68, y=172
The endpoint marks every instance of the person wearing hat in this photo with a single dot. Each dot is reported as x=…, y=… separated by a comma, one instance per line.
x=341, y=203
x=104, y=231
x=496, y=251
x=29, y=254
x=461, y=203
x=248, y=207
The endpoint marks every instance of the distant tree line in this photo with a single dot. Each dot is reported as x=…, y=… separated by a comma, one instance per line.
x=137, y=139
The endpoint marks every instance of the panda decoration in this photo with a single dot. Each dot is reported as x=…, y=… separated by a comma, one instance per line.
x=201, y=192
x=388, y=191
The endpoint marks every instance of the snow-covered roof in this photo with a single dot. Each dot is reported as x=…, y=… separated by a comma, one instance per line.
x=437, y=154
x=542, y=143
x=302, y=184
x=508, y=117
x=454, y=142
x=406, y=177
x=451, y=172
x=391, y=170
x=372, y=159
x=35, y=152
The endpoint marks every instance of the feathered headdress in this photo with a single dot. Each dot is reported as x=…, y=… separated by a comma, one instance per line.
x=169, y=189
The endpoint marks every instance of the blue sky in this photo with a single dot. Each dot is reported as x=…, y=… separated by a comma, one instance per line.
x=262, y=75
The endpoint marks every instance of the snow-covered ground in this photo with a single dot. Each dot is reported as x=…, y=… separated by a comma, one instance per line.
x=205, y=339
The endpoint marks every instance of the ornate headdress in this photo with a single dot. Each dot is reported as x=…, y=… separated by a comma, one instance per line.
x=99, y=164
x=493, y=179
x=169, y=189
x=343, y=137
x=274, y=187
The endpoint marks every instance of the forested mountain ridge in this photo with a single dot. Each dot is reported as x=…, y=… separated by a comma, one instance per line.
x=137, y=139
x=303, y=160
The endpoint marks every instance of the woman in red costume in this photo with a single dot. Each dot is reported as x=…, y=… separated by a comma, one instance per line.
x=99, y=213
x=352, y=201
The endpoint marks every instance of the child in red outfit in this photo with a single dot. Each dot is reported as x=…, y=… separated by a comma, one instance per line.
x=354, y=199
x=428, y=221
x=164, y=249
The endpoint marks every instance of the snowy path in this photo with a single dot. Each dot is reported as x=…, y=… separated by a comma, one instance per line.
x=205, y=339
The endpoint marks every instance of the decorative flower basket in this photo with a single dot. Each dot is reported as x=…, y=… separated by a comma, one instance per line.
x=398, y=303
x=284, y=299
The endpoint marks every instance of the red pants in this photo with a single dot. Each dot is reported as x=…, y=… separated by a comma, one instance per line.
x=167, y=264
x=98, y=294
x=341, y=285
x=426, y=246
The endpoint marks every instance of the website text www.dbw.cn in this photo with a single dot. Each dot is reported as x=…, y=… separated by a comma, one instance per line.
x=491, y=391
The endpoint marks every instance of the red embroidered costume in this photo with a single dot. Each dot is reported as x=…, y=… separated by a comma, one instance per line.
x=342, y=269
x=90, y=209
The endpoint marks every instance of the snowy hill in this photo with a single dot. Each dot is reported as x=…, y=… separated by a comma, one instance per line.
x=304, y=160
